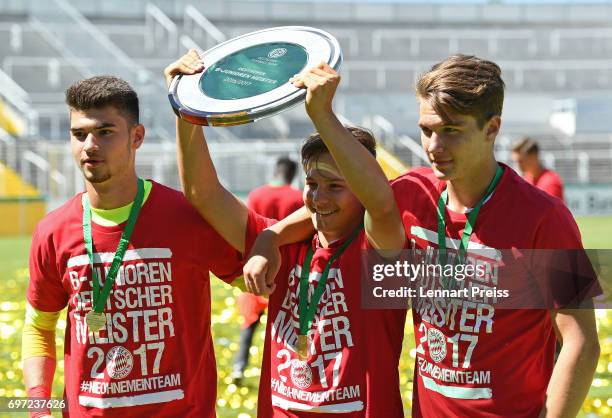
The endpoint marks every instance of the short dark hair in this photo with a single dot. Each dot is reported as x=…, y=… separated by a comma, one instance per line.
x=101, y=91
x=286, y=168
x=526, y=146
x=314, y=146
x=464, y=84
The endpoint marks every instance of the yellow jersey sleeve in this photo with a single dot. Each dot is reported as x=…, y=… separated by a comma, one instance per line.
x=38, y=338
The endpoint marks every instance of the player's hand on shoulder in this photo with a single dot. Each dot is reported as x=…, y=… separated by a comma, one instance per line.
x=190, y=63
x=256, y=276
x=321, y=82
x=262, y=266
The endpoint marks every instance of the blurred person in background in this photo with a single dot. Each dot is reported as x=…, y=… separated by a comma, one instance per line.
x=278, y=199
x=275, y=200
x=526, y=155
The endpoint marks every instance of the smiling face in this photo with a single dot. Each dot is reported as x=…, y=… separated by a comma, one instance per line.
x=103, y=144
x=456, y=146
x=335, y=211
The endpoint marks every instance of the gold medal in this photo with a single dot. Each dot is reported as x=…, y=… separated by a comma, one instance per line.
x=308, y=308
x=302, y=347
x=95, y=320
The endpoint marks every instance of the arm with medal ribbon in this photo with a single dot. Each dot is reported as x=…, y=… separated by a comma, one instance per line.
x=383, y=222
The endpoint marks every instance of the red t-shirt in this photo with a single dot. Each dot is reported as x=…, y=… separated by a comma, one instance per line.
x=474, y=360
x=549, y=181
x=275, y=202
x=155, y=357
x=352, y=366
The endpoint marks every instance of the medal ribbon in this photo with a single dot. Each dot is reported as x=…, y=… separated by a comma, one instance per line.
x=470, y=223
x=307, y=310
x=99, y=298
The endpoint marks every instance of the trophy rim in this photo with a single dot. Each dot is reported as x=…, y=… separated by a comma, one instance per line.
x=192, y=104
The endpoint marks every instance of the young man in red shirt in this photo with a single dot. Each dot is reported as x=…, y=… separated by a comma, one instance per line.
x=474, y=359
x=526, y=154
x=323, y=353
x=138, y=341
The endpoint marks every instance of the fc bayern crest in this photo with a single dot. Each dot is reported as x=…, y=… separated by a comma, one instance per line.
x=119, y=362
x=437, y=344
x=301, y=375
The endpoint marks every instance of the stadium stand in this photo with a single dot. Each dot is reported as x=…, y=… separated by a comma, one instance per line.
x=547, y=52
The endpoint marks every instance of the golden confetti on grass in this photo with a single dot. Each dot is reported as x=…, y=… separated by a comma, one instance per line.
x=234, y=401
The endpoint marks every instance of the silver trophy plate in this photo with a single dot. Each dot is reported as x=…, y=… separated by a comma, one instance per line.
x=247, y=78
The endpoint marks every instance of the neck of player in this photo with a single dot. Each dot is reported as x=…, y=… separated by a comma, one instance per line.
x=113, y=193
x=328, y=238
x=464, y=193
